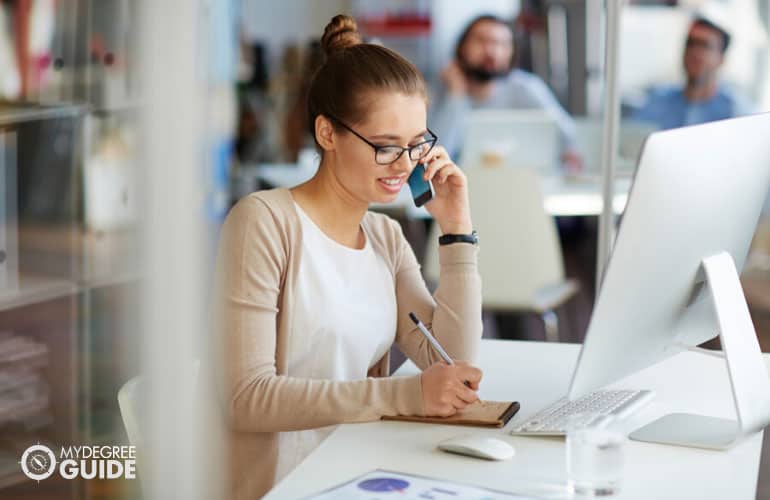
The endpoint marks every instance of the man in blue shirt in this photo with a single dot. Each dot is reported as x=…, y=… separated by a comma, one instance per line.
x=703, y=99
x=481, y=77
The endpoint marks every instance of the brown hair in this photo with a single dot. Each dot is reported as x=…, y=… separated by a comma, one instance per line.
x=491, y=18
x=352, y=70
x=702, y=21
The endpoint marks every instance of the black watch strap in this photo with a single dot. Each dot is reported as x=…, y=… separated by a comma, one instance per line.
x=448, y=239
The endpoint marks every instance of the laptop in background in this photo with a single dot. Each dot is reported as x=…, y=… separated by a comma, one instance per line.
x=589, y=136
x=518, y=138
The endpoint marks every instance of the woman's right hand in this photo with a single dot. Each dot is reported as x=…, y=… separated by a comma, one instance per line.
x=443, y=388
x=454, y=79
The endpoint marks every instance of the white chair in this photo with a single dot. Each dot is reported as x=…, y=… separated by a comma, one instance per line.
x=520, y=261
x=130, y=400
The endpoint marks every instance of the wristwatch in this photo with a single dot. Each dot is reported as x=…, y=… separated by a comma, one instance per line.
x=448, y=239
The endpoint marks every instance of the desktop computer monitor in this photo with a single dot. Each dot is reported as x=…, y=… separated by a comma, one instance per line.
x=670, y=285
x=517, y=138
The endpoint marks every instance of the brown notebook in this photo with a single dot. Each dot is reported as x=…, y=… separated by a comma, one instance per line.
x=480, y=413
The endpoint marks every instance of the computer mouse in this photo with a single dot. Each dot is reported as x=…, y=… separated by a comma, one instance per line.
x=478, y=446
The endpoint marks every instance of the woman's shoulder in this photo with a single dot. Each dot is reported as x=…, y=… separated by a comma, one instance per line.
x=270, y=209
x=278, y=199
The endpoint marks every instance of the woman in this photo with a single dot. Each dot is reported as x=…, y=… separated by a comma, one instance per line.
x=316, y=289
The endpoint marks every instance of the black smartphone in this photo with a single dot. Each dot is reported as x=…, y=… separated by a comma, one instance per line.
x=422, y=190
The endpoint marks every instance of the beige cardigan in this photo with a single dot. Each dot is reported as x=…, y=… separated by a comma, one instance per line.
x=258, y=261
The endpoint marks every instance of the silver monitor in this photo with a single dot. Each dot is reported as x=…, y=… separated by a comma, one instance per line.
x=519, y=138
x=672, y=280
x=588, y=141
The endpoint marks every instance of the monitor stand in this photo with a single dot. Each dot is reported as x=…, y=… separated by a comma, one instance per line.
x=746, y=368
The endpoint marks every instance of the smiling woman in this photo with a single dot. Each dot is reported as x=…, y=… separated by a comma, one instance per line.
x=314, y=289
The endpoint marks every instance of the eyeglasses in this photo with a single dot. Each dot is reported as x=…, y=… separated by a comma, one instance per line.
x=385, y=155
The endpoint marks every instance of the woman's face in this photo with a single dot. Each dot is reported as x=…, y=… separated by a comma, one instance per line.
x=392, y=119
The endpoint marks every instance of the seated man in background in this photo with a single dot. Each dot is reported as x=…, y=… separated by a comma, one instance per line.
x=482, y=77
x=703, y=99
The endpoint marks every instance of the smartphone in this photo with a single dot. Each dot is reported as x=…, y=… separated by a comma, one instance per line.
x=422, y=190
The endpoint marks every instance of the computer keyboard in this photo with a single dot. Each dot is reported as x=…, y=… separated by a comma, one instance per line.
x=595, y=406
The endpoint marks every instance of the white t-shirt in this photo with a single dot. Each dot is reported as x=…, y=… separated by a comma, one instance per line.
x=348, y=299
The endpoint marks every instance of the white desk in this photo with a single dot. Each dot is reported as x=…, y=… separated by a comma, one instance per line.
x=537, y=374
x=565, y=196
x=562, y=196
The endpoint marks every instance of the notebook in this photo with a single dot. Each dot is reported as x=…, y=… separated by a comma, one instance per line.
x=480, y=414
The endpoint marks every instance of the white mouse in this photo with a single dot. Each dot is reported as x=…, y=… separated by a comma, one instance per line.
x=479, y=447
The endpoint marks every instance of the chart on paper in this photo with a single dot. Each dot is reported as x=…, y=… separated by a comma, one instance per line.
x=381, y=485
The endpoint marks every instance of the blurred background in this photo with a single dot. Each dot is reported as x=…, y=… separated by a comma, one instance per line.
x=128, y=128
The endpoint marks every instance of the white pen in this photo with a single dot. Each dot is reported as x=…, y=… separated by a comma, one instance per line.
x=434, y=343
x=431, y=339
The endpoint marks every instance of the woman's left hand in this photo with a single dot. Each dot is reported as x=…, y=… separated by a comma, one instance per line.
x=450, y=205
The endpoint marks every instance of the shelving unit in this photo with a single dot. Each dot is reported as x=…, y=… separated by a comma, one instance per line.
x=34, y=289
x=72, y=281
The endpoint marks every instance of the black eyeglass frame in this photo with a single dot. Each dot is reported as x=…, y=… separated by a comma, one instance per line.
x=432, y=141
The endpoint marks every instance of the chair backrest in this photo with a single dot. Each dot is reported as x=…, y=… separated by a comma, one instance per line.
x=128, y=401
x=130, y=398
x=520, y=248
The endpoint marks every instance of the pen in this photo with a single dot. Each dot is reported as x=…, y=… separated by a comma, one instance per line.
x=431, y=339
x=434, y=342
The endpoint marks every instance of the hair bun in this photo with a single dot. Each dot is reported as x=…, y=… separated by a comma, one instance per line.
x=340, y=33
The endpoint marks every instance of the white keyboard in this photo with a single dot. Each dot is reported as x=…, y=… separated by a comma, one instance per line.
x=553, y=420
